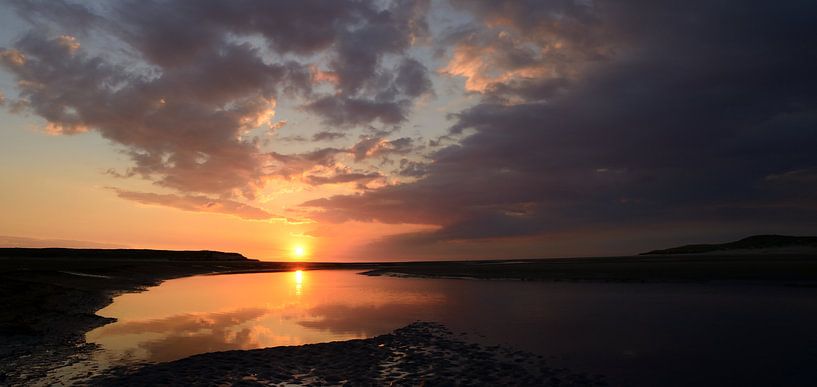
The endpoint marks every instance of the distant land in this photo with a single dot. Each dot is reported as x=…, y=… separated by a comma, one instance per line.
x=120, y=254
x=755, y=243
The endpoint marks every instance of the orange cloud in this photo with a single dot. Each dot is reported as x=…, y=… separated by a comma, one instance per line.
x=198, y=203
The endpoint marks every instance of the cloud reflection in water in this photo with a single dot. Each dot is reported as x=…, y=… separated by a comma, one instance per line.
x=216, y=313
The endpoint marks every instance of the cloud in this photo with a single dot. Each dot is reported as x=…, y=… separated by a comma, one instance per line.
x=293, y=165
x=67, y=15
x=198, y=203
x=412, y=78
x=378, y=146
x=188, y=81
x=525, y=44
x=183, y=335
x=328, y=136
x=322, y=166
x=667, y=117
x=591, y=114
x=369, y=319
x=346, y=112
x=343, y=178
x=180, y=130
x=410, y=168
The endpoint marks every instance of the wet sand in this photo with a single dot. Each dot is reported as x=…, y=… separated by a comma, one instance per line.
x=420, y=354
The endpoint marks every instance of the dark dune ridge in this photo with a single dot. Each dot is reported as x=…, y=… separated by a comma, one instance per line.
x=755, y=242
x=420, y=354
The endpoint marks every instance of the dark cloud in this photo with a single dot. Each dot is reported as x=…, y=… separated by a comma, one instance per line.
x=412, y=78
x=369, y=147
x=293, y=165
x=328, y=136
x=675, y=116
x=390, y=30
x=355, y=35
x=344, y=178
x=345, y=112
x=410, y=168
x=66, y=15
x=321, y=166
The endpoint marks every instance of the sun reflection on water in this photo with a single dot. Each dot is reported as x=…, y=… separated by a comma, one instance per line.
x=299, y=282
x=187, y=316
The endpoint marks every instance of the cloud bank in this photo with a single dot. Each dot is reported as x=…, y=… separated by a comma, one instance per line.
x=195, y=78
x=590, y=115
x=617, y=114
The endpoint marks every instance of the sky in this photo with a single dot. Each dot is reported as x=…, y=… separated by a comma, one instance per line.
x=357, y=130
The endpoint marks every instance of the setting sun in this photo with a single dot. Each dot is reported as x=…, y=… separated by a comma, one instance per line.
x=299, y=251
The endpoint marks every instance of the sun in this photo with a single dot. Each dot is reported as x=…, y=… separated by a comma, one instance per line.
x=299, y=251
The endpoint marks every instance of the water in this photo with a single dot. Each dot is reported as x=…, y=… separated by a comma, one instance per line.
x=636, y=334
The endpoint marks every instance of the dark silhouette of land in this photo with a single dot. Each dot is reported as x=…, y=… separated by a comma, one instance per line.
x=756, y=243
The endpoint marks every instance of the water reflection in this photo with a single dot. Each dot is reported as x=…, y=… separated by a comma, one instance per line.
x=214, y=313
x=644, y=334
x=344, y=318
x=183, y=335
x=299, y=281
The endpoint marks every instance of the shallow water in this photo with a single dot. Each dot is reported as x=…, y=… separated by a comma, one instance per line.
x=636, y=334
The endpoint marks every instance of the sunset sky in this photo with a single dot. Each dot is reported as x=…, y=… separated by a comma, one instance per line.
x=385, y=130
